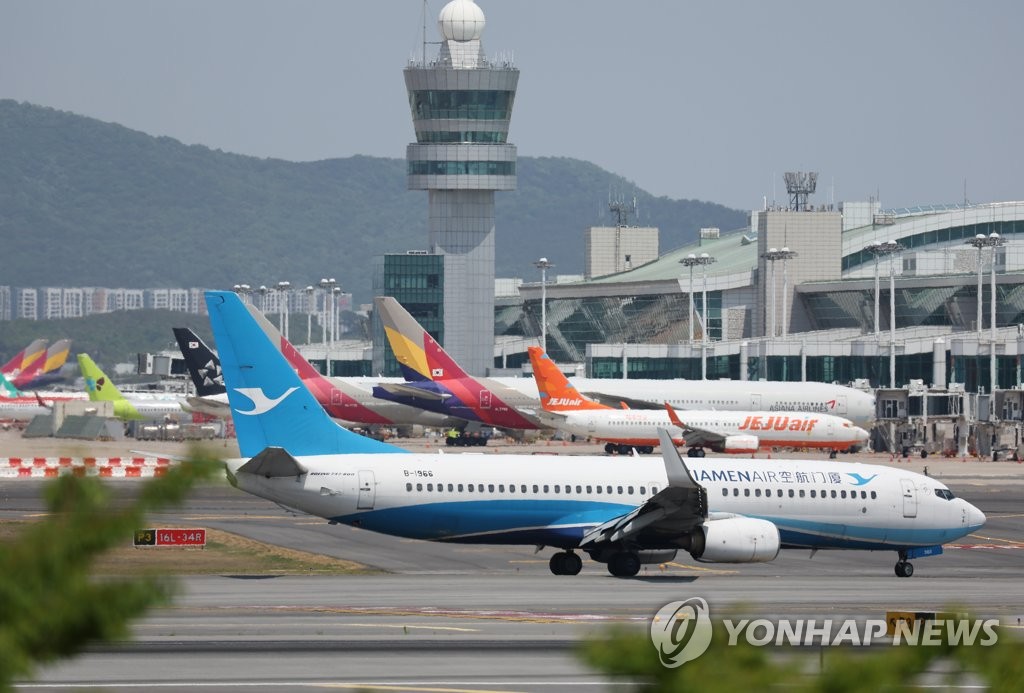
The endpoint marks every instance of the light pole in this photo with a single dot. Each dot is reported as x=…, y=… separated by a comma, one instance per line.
x=981, y=241
x=309, y=313
x=543, y=265
x=243, y=290
x=283, y=294
x=327, y=325
x=263, y=298
x=878, y=250
x=692, y=261
x=771, y=256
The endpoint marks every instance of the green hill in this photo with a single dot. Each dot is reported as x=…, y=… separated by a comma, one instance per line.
x=88, y=203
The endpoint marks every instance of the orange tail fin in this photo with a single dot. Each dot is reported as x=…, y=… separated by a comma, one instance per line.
x=556, y=392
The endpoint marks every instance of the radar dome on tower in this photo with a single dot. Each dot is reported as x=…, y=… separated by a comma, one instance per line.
x=461, y=20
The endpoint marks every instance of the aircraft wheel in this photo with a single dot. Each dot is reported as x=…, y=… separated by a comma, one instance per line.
x=904, y=569
x=647, y=449
x=691, y=452
x=624, y=449
x=565, y=563
x=624, y=564
x=609, y=448
x=700, y=452
x=832, y=454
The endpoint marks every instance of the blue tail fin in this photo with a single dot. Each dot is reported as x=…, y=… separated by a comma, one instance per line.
x=269, y=404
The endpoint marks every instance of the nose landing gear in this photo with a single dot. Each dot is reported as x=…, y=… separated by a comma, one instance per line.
x=904, y=568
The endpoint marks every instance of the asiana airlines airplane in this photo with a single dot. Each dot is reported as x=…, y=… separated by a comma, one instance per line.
x=622, y=512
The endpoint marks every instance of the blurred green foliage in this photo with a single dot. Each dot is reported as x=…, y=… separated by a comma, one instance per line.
x=51, y=604
x=629, y=655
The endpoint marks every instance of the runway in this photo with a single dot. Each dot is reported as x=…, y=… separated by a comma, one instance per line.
x=475, y=618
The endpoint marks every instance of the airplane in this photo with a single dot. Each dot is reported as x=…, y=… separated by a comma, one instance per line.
x=720, y=431
x=435, y=382
x=45, y=370
x=342, y=399
x=416, y=352
x=101, y=389
x=16, y=405
x=25, y=359
x=619, y=512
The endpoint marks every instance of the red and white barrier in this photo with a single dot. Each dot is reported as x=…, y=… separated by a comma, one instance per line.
x=112, y=467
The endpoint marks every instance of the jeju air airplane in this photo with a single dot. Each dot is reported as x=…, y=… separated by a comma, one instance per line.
x=719, y=431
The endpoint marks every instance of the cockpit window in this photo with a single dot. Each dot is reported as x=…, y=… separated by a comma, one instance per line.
x=944, y=493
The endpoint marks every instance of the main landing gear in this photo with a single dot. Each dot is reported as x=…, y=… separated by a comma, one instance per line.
x=566, y=563
x=695, y=452
x=904, y=568
x=624, y=564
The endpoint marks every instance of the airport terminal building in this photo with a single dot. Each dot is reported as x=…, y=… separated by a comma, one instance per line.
x=793, y=298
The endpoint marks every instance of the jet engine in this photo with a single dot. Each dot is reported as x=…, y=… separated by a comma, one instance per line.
x=735, y=540
x=737, y=444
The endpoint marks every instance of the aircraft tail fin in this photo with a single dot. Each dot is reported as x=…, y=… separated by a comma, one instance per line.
x=97, y=384
x=556, y=392
x=269, y=403
x=8, y=389
x=24, y=359
x=202, y=364
x=419, y=354
x=57, y=355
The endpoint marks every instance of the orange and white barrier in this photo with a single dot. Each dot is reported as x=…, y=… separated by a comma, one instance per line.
x=113, y=467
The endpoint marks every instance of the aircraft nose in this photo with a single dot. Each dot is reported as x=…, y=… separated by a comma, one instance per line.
x=862, y=435
x=975, y=518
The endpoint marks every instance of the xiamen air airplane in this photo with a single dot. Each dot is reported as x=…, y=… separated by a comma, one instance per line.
x=619, y=511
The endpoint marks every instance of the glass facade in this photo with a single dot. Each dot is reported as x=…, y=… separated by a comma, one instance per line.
x=467, y=104
x=949, y=306
x=573, y=323
x=666, y=368
x=943, y=235
x=456, y=137
x=462, y=168
x=417, y=282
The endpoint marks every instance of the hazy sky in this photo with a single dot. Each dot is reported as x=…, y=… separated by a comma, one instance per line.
x=710, y=100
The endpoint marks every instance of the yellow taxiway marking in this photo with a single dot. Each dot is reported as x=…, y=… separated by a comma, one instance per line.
x=419, y=689
x=715, y=571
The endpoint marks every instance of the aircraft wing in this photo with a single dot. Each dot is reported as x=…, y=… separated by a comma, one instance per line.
x=671, y=512
x=694, y=435
x=617, y=401
x=542, y=417
x=403, y=390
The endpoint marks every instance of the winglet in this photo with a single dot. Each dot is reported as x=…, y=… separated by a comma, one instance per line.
x=675, y=469
x=674, y=418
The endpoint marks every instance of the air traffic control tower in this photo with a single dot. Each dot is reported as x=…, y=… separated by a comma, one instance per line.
x=461, y=106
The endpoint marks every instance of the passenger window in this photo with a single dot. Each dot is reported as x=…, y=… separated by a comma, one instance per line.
x=460, y=488
x=619, y=489
x=725, y=491
x=833, y=493
x=450, y=488
x=790, y=493
x=654, y=490
x=590, y=489
x=471, y=488
x=511, y=488
x=536, y=488
x=501, y=488
x=863, y=494
x=746, y=492
x=599, y=489
x=801, y=493
x=545, y=488
x=558, y=488
x=490, y=487
x=579, y=489
x=408, y=487
x=609, y=489
x=630, y=490
x=873, y=495
x=643, y=491
x=419, y=487
x=813, y=493
x=842, y=494
x=430, y=487
x=757, y=492
x=735, y=492
x=523, y=488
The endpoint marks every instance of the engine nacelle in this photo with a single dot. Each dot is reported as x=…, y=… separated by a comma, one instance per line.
x=738, y=444
x=736, y=540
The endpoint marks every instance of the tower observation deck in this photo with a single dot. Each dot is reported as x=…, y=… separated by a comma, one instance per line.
x=461, y=107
